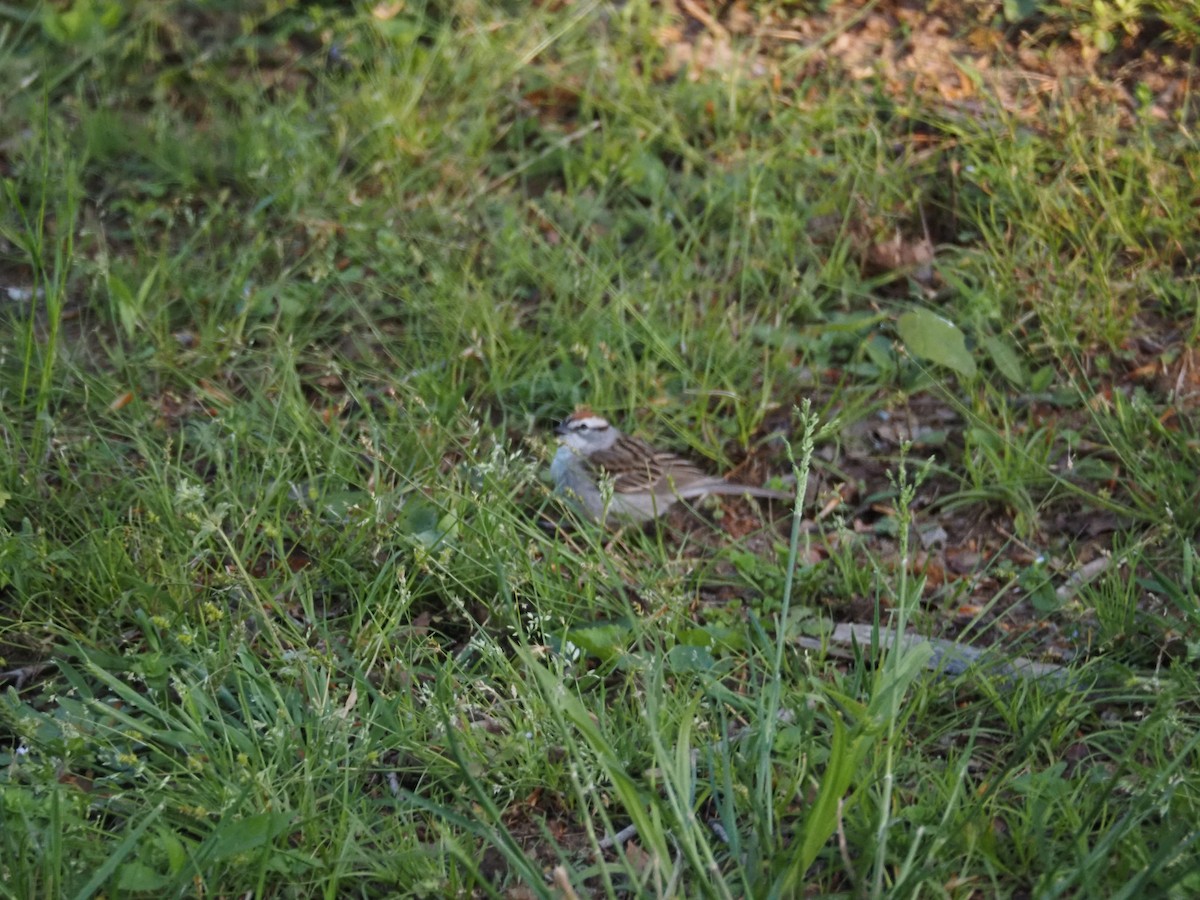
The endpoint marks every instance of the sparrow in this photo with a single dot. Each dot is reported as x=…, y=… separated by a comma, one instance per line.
x=645, y=482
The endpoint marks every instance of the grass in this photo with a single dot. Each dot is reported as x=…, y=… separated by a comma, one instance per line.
x=293, y=296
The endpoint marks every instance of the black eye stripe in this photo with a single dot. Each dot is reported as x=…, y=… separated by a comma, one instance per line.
x=581, y=425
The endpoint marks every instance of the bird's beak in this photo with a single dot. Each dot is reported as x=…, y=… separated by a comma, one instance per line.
x=560, y=428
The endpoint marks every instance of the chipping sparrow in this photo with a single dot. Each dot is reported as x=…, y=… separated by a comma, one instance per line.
x=645, y=482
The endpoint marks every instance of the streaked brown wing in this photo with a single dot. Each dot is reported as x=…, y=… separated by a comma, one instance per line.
x=634, y=467
x=678, y=474
x=630, y=463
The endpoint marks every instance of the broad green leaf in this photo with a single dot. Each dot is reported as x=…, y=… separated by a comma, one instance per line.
x=1006, y=360
x=137, y=876
x=1042, y=379
x=646, y=176
x=1020, y=10
x=124, y=303
x=845, y=755
x=603, y=640
x=683, y=658
x=881, y=352
x=929, y=336
x=241, y=835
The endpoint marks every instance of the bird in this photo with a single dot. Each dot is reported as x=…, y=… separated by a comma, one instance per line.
x=645, y=482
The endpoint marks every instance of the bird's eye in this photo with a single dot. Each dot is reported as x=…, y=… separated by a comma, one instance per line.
x=583, y=425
